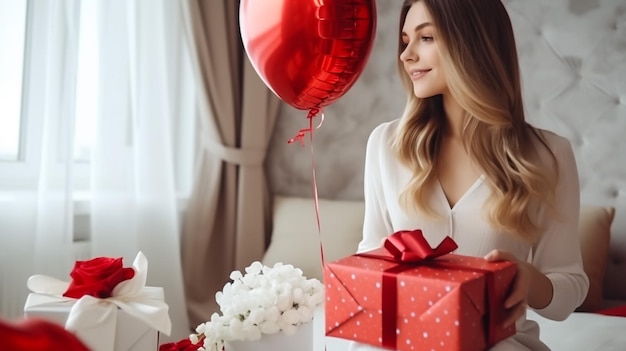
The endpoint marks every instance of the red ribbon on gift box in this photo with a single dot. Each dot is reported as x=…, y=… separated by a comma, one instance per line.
x=407, y=246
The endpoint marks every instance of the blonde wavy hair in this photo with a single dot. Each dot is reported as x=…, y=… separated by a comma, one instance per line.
x=479, y=57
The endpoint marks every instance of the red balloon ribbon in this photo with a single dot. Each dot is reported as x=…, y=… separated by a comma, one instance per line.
x=300, y=137
x=411, y=246
x=302, y=132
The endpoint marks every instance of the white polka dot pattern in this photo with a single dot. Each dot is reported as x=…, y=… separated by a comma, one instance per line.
x=441, y=304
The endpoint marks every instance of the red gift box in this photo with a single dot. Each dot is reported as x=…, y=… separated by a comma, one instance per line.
x=401, y=297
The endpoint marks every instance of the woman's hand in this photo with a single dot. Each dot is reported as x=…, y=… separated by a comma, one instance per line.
x=530, y=287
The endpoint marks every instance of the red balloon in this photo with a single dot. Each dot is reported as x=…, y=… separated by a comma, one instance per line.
x=308, y=52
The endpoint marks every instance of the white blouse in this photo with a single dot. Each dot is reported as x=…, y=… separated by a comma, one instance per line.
x=556, y=253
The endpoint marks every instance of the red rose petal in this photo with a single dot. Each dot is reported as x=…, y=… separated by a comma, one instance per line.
x=37, y=334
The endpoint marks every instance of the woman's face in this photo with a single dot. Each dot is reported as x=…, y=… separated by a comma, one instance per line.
x=421, y=55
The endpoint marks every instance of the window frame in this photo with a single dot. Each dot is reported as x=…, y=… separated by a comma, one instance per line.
x=23, y=174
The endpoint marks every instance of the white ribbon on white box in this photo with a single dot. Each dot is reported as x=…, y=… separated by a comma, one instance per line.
x=90, y=315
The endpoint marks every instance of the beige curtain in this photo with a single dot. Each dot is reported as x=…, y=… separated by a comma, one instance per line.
x=227, y=223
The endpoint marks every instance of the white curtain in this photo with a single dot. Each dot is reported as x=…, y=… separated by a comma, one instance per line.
x=132, y=199
x=134, y=205
x=36, y=213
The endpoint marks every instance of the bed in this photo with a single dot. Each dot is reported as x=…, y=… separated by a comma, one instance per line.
x=573, y=60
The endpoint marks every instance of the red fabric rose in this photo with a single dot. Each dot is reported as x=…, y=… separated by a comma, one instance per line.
x=182, y=345
x=37, y=334
x=97, y=277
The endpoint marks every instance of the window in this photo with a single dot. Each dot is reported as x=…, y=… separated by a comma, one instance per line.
x=86, y=78
x=12, y=42
x=25, y=27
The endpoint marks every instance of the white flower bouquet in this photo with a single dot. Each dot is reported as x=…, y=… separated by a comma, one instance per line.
x=264, y=300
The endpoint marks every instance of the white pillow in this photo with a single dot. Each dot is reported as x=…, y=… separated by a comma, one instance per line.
x=296, y=239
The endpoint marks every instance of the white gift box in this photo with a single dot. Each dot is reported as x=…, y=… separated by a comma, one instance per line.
x=129, y=320
x=130, y=333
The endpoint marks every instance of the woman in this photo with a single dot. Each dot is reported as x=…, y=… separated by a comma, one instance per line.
x=463, y=162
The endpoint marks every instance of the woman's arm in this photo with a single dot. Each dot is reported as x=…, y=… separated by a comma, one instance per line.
x=375, y=223
x=557, y=253
x=530, y=288
x=554, y=282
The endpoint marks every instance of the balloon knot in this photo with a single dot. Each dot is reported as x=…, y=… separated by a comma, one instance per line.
x=302, y=132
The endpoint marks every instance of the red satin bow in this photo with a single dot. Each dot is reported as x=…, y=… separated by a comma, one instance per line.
x=411, y=246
